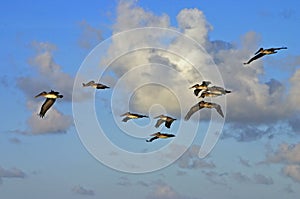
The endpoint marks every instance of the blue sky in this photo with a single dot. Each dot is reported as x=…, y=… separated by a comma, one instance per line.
x=49, y=45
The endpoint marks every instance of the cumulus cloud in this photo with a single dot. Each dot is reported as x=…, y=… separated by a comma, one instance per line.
x=251, y=102
x=47, y=75
x=90, y=36
x=83, y=191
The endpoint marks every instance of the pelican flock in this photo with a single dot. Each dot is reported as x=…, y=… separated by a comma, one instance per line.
x=204, y=88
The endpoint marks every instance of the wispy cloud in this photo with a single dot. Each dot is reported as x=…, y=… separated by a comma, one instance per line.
x=190, y=160
x=161, y=190
x=289, y=156
x=11, y=173
x=82, y=191
x=90, y=36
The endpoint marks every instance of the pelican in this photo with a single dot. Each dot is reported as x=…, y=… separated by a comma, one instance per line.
x=162, y=118
x=50, y=99
x=95, y=85
x=262, y=52
x=218, y=90
x=203, y=104
x=198, y=87
x=160, y=135
x=131, y=116
x=209, y=94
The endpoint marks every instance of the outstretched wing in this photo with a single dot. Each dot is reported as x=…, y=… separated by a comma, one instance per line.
x=101, y=86
x=159, y=122
x=45, y=107
x=219, y=109
x=255, y=57
x=151, y=139
x=168, y=124
x=126, y=119
x=273, y=49
x=197, y=91
x=192, y=110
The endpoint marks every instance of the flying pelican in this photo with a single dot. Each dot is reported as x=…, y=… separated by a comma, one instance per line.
x=131, y=116
x=162, y=118
x=262, y=52
x=203, y=104
x=198, y=87
x=160, y=135
x=95, y=85
x=50, y=99
x=209, y=94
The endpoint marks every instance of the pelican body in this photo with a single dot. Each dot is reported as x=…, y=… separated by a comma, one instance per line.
x=200, y=87
x=160, y=135
x=203, y=104
x=50, y=99
x=95, y=85
x=129, y=116
x=262, y=52
x=164, y=119
x=209, y=94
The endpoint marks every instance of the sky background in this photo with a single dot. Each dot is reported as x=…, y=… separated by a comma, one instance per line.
x=43, y=45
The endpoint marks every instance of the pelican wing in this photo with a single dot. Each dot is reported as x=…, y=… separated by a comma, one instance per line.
x=151, y=139
x=219, y=109
x=45, y=107
x=192, y=110
x=42, y=93
x=168, y=124
x=273, y=49
x=101, y=86
x=197, y=91
x=255, y=57
x=90, y=83
x=159, y=122
x=125, y=119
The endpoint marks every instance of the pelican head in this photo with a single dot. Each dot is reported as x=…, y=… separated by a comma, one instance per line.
x=195, y=86
x=41, y=94
x=259, y=50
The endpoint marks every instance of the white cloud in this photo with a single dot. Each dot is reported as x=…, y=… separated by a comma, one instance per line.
x=251, y=101
x=53, y=122
x=192, y=22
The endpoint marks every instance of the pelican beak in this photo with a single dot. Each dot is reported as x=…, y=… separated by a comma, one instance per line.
x=41, y=94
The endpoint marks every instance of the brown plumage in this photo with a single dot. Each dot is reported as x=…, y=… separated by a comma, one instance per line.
x=164, y=119
x=262, y=52
x=203, y=104
x=95, y=85
x=160, y=135
x=129, y=116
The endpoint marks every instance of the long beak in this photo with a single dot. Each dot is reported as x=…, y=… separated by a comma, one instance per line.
x=154, y=134
x=38, y=95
